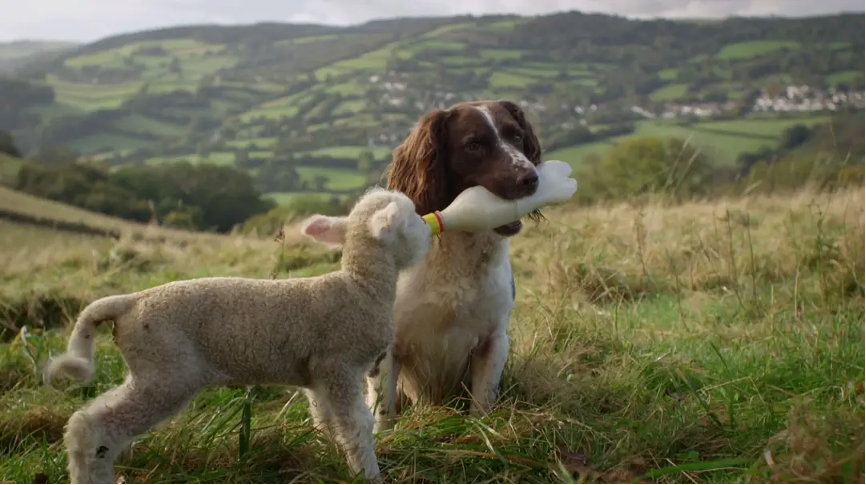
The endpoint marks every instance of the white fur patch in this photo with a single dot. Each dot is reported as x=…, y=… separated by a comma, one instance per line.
x=383, y=224
x=518, y=159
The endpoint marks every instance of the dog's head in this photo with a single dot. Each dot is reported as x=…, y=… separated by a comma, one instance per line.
x=487, y=143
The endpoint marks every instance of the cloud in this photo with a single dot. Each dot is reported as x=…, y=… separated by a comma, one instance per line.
x=88, y=20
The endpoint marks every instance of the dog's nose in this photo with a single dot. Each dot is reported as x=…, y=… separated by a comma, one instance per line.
x=529, y=181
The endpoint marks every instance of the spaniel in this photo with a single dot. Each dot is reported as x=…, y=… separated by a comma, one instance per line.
x=452, y=310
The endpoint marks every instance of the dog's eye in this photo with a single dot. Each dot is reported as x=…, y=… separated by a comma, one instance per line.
x=473, y=146
x=518, y=138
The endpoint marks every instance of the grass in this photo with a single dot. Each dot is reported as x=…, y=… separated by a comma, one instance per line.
x=9, y=166
x=771, y=128
x=172, y=46
x=849, y=77
x=499, y=54
x=349, y=152
x=709, y=342
x=215, y=158
x=670, y=92
x=137, y=123
x=501, y=80
x=284, y=198
x=747, y=50
x=350, y=106
x=668, y=74
x=107, y=141
x=48, y=213
x=259, y=143
x=338, y=179
x=724, y=140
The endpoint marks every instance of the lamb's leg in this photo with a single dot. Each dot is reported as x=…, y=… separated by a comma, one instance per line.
x=353, y=422
x=382, y=393
x=97, y=433
x=487, y=365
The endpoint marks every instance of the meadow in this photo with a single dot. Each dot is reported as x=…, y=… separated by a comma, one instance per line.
x=714, y=341
x=723, y=140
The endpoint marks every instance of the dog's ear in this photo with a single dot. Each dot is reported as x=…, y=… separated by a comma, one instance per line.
x=325, y=229
x=419, y=166
x=531, y=146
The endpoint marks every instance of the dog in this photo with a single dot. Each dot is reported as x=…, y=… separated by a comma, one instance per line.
x=452, y=310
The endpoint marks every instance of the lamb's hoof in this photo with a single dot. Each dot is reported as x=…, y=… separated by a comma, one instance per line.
x=478, y=412
x=374, y=479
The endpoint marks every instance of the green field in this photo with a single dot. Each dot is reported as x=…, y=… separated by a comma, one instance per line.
x=337, y=179
x=506, y=80
x=668, y=74
x=259, y=143
x=845, y=77
x=181, y=46
x=284, y=198
x=705, y=350
x=143, y=124
x=107, y=142
x=670, y=92
x=9, y=168
x=722, y=140
x=349, y=152
x=746, y=50
x=497, y=54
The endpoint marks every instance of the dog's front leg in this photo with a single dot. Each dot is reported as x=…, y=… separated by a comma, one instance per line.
x=487, y=364
x=382, y=393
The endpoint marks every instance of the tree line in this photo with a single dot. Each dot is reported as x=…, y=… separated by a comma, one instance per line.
x=826, y=156
x=220, y=198
x=200, y=197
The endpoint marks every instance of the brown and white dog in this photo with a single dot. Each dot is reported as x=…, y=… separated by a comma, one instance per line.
x=452, y=310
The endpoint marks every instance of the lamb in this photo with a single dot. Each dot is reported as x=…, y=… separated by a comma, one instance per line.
x=324, y=334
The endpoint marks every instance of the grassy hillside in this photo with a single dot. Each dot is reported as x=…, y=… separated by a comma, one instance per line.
x=312, y=100
x=9, y=168
x=710, y=342
x=723, y=139
x=20, y=212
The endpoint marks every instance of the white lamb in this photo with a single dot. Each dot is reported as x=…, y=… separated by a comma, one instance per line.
x=323, y=333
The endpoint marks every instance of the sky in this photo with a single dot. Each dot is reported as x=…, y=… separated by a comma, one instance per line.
x=90, y=20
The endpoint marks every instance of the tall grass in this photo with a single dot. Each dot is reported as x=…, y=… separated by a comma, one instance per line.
x=705, y=342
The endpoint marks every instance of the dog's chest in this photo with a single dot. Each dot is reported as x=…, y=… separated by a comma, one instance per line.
x=462, y=287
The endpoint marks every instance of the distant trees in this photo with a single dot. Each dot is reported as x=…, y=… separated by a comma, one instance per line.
x=204, y=197
x=825, y=156
x=646, y=165
x=7, y=144
x=366, y=161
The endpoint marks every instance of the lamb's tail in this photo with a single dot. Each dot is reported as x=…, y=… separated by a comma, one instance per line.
x=78, y=361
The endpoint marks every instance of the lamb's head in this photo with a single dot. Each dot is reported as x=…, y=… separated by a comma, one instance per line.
x=381, y=219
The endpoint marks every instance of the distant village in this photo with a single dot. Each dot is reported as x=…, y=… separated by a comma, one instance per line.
x=787, y=99
x=790, y=99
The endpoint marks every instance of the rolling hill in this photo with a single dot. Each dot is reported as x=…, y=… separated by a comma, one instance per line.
x=308, y=108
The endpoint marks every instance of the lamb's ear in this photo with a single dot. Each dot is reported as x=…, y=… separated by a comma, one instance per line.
x=325, y=229
x=383, y=224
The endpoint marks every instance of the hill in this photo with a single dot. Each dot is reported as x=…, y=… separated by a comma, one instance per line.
x=9, y=167
x=308, y=108
x=20, y=210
